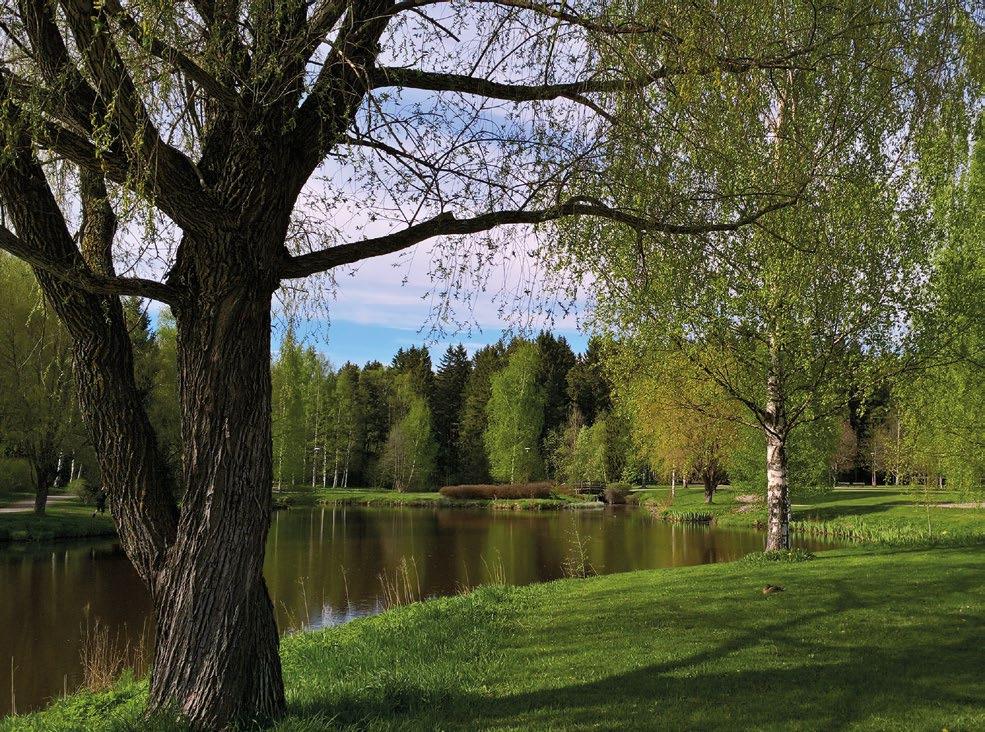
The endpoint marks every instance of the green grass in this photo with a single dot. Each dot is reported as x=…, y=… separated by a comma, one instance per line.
x=380, y=498
x=892, y=516
x=65, y=520
x=868, y=639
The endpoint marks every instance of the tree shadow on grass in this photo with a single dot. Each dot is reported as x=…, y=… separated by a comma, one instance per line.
x=827, y=513
x=768, y=675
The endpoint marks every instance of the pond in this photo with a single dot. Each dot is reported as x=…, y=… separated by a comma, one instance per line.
x=324, y=567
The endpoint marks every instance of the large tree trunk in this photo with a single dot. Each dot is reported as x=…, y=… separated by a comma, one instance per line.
x=710, y=486
x=41, y=493
x=217, y=644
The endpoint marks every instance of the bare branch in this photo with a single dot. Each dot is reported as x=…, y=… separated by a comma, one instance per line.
x=447, y=224
x=76, y=273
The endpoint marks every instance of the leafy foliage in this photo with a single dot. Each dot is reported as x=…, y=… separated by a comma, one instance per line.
x=515, y=416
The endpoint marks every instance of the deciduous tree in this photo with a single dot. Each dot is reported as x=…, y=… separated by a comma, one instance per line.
x=515, y=416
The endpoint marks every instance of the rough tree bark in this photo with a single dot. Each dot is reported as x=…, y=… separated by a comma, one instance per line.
x=217, y=643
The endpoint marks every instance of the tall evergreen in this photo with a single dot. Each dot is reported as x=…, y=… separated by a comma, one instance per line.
x=588, y=385
x=449, y=393
x=556, y=360
x=374, y=405
x=416, y=361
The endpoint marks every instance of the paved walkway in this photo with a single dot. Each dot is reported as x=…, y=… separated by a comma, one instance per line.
x=27, y=504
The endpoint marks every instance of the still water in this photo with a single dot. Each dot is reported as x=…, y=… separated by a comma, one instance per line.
x=323, y=567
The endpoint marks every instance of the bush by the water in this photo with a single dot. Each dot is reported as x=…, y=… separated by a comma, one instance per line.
x=489, y=492
x=790, y=555
x=84, y=491
x=615, y=494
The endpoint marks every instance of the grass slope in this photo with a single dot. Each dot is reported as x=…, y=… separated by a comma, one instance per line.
x=62, y=520
x=861, y=639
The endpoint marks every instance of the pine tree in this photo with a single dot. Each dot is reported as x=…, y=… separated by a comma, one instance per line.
x=416, y=361
x=556, y=360
x=588, y=388
x=373, y=396
x=449, y=394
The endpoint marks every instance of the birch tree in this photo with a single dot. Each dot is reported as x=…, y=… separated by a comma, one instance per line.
x=515, y=417
x=779, y=315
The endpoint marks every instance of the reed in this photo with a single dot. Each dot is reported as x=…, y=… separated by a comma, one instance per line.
x=106, y=655
x=404, y=587
x=576, y=562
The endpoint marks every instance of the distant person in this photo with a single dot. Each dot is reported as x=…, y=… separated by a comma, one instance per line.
x=100, y=502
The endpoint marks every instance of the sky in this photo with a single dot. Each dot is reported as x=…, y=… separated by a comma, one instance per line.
x=383, y=304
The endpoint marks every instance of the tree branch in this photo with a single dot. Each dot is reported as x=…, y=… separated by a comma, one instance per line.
x=76, y=273
x=169, y=171
x=574, y=90
x=340, y=87
x=446, y=224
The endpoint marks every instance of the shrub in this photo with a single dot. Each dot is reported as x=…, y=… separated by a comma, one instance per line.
x=489, y=492
x=85, y=492
x=615, y=494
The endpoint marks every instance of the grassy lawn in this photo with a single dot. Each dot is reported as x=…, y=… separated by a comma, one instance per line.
x=887, y=515
x=862, y=638
x=63, y=520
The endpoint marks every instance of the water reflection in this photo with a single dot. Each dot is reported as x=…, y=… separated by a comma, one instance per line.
x=323, y=567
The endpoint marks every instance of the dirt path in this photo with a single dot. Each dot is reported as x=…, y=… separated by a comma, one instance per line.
x=27, y=504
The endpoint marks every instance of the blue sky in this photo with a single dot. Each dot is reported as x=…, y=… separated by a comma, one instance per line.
x=344, y=340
